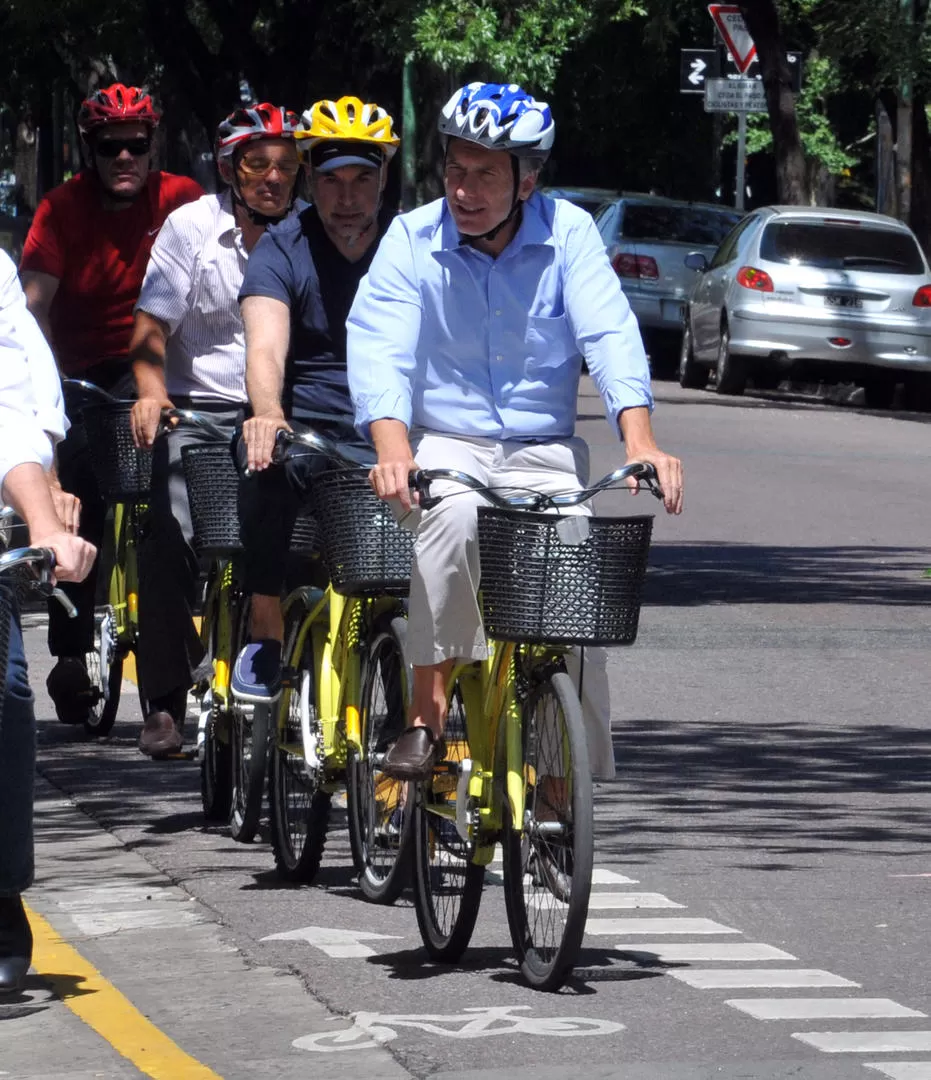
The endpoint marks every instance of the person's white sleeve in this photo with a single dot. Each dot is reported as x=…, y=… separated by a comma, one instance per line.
x=167, y=289
x=32, y=418
x=382, y=333
x=604, y=327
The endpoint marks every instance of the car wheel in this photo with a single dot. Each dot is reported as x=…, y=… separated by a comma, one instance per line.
x=691, y=375
x=731, y=369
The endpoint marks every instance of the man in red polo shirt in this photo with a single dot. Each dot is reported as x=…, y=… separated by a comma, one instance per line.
x=82, y=269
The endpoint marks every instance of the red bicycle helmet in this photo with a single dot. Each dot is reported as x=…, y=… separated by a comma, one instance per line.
x=117, y=104
x=264, y=121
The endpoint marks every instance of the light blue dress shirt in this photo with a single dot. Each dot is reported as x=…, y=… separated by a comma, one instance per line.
x=448, y=339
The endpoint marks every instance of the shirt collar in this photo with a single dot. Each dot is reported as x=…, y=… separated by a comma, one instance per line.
x=226, y=217
x=536, y=228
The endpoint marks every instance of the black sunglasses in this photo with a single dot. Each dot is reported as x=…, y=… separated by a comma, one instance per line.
x=111, y=148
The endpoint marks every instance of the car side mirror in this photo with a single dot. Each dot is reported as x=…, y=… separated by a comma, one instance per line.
x=696, y=261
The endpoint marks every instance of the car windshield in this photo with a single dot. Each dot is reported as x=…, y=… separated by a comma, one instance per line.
x=681, y=224
x=839, y=247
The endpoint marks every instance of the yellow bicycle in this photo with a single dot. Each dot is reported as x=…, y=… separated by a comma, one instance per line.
x=516, y=769
x=345, y=689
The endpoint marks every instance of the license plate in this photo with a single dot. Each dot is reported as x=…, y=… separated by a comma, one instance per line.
x=844, y=300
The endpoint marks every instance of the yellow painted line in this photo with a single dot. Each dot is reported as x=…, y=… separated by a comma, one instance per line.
x=102, y=1007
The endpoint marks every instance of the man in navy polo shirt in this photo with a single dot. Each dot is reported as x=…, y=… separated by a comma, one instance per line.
x=299, y=285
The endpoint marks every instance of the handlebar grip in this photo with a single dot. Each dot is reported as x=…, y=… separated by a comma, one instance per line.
x=420, y=483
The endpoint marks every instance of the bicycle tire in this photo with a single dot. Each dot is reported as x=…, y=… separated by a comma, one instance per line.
x=380, y=821
x=102, y=714
x=298, y=808
x=249, y=731
x=548, y=866
x=447, y=883
x=216, y=773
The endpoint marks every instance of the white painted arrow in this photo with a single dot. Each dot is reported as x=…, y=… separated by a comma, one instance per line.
x=333, y=942
x=697, y=76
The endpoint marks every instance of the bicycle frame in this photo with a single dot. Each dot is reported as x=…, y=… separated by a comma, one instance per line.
x=123, y=590
x=495, y=737
x=337, y=649
x=217, y=619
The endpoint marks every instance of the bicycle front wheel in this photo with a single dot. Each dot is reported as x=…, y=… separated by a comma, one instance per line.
x=249, y=726
x=104, y=663
x=447, y=883
x=548, y=863
x=379, y=818
x=299, y=808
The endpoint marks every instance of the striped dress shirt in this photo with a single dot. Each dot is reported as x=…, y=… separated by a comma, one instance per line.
x=192, y=285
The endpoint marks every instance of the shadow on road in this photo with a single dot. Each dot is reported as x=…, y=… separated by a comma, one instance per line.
x=727, y=573
x=786, y=791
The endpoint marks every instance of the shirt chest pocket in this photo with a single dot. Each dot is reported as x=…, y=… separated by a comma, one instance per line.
x=217, y=281
x=548, y=341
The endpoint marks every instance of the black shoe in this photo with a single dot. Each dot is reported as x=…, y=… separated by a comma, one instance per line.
x=414, y=754
x=69, y=687
x=15, y=944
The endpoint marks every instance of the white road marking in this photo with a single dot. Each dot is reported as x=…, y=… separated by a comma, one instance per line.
x=605, y=901
x=705, y=951
x=334, y=942
x=657, y=926
x=114, y=922
x=866, y=1042
x=821, y=1008
x=904, y=1070
x=733, y=978
x=611, y=877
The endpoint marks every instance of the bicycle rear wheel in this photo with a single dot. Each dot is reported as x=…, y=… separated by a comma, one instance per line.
x=216, y=767
x=548, y=865
x=380, y=820
x=447, y=883
x=299, y=808
x=104, y=663
x=249, y=728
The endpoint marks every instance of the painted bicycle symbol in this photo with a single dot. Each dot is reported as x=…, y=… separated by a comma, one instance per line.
x=371, y=1029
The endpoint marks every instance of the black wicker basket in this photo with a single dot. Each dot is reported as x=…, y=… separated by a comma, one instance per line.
x=538, y=588
x=305, y=537
x=213, y=493
x=124, y=474
x=367, y=553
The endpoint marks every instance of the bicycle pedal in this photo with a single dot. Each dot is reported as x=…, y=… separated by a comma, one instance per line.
x=181, y=755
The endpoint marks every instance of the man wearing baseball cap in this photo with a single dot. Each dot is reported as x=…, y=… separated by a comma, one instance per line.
x=299, y=284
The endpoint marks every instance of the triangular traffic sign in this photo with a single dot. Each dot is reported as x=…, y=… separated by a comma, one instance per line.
x=733, y=30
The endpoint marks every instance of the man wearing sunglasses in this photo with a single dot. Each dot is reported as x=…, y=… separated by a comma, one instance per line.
x=189, y=352
x=82, y=268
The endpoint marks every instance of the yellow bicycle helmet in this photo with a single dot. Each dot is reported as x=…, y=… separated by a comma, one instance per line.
x=348, y=121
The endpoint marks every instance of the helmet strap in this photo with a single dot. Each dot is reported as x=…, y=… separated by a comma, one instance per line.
x=511, y=214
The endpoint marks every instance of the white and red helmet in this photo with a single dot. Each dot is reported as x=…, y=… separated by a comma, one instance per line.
x=251, y=122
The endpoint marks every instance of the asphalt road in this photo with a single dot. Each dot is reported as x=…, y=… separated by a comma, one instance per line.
x=761, y=909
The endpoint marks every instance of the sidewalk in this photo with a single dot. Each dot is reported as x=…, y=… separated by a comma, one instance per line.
x=132, y=977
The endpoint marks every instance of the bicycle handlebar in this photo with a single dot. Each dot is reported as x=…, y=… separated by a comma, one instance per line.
x=420, y=483
x=42, y=560
x=312, y=440
x=193, y=419
x=90, y=388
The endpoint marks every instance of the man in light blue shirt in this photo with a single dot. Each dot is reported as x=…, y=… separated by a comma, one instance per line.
x=465, y=347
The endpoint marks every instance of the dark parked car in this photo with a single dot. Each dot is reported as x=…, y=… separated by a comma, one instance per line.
x=589, y=198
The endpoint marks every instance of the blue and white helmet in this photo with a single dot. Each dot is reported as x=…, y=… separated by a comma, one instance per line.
x=499, y=116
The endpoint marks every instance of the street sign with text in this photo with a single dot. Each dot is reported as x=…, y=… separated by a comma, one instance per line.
x=733, y=30
x=734, y=95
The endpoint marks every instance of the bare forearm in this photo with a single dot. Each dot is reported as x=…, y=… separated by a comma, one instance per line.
x=637, y=430
x=147, y=353
x=26, y=489
x=390, y=438
x=264, y=383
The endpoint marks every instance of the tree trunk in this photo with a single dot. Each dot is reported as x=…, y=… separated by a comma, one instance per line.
x=762, y=21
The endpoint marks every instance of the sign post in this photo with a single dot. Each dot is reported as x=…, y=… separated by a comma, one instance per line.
x=733, y=30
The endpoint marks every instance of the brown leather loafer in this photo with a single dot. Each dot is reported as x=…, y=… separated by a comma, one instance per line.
x=160, y=735
x=414, y=754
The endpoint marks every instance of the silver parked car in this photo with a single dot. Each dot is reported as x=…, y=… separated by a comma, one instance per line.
x=829, y=295
x=647, y=238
